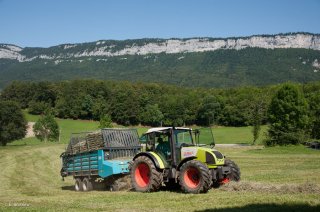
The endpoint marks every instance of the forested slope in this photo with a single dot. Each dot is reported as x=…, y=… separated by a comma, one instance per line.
x=221, y=68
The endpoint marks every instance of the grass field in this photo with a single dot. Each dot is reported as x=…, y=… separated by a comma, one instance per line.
x=273, y=179
x=222, y=135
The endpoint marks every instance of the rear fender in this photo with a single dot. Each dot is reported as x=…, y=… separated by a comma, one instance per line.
x=154, y=157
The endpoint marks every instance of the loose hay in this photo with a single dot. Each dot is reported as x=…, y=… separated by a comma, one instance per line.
x=274, y=188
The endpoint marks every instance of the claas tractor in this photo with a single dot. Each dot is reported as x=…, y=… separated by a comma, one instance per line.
x=174, y=157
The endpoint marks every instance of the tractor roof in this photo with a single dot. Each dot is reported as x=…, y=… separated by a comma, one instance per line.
x=161, y=129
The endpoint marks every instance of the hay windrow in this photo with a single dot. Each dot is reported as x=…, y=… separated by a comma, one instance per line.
x=309, y=188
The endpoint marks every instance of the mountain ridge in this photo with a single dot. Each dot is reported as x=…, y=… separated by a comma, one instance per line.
x=110, y=48
x=197, y=62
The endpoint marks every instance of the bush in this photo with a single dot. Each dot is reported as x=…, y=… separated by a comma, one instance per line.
x=105, y=121
x=286, y=138
x=46, y=128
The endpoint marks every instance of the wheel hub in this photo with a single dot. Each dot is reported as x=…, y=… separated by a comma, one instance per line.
x=142, y=175
x=192, y=177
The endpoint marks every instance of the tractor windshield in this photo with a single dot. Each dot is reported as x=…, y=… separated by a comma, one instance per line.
x=183, y=136
x=204, y=136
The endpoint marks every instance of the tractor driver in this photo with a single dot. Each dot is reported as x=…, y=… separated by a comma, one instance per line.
x=163, y=147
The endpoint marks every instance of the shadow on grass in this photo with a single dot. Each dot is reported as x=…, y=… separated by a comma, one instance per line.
x=67, y=188
x=268, y=207
x=19, y=144
x=95, y=188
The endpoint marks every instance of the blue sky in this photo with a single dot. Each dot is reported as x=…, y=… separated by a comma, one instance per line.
x=43, y=23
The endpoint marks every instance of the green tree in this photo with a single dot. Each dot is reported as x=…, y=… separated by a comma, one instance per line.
x=99, y=108
x=208, y=111
x=20, y=92
x=13, y=125
x=38, y=108
x=288, y=116
x=125, y=106
x=152, y=115
x=46, y=128
x=258, y=106
x=105, y=121
x=44, y=92
x=174, y=111
x=256, y=121
x=315, y=114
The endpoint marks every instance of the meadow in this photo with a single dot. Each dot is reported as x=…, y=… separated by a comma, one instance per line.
x=222, y=135
x=273, y=179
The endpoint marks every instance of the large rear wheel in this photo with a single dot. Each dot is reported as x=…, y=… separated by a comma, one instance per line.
x=144, y=175
x=194, y=177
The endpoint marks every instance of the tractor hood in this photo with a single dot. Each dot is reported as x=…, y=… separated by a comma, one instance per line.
x=211, y=157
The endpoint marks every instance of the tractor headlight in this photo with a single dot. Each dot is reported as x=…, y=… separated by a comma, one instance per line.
x=209, y=158
x=218, y=154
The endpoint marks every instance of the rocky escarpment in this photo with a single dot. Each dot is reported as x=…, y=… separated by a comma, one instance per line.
x=8, y=51
x=109, y=48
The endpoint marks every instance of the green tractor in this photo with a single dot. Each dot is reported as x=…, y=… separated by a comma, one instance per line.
x=173, y=156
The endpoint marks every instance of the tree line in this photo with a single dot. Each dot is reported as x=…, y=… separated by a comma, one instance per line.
x=138, y=103
x=287, y=107
x=150, y=103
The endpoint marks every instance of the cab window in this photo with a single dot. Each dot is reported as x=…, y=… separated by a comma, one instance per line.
x=183, y=136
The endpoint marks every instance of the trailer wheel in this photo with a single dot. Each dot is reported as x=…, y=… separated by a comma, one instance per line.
x=87, y=184
x=194, y=177
x=144, y=175
x=78, y=184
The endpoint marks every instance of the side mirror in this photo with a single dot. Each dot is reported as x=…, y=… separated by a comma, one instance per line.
x=212, y=144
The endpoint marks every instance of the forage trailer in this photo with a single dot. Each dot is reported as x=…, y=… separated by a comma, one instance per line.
x=100, y=159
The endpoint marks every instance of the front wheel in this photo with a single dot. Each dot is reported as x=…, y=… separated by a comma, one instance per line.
x=194, y=177
x=144, y=175
x=235, y=170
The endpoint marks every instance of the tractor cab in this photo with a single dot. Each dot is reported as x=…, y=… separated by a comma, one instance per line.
x=168, y=141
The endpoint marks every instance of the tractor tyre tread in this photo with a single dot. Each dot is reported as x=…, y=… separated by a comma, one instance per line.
x=235, y=174
x=155, y=175
x=205, y=181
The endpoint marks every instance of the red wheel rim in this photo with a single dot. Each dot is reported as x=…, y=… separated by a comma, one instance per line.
x=142, y=175
x=192, y=177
